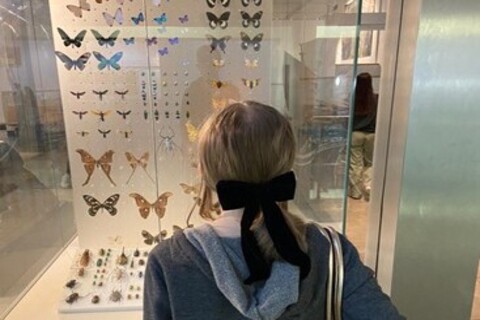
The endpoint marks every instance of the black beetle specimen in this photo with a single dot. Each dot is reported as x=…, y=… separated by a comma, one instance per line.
x=72, y=298
x=71, y=284
x=95, y=299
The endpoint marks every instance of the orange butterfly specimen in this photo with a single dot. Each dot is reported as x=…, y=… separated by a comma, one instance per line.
x=89, y=163
x=218, y=103
x=192, y=131
x=144, y=207
x=188, y=189
x=141, y=162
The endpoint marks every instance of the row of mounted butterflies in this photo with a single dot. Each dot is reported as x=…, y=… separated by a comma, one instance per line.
x=102, y=115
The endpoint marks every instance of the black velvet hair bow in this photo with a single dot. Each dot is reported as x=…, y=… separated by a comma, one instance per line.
x=254, y=198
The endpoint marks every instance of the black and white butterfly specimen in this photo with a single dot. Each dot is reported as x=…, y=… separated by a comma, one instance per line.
x=126, y=134
x=254, y=42
x=107, y=42
x=108, y=204
x=121, y=93
x=246, y=3
x=141, y=162
x=70, y=63
x=101, y=114
x=221, y=21
x=218, y=43
x=80, y=114
x=75, y=42
x=83, y=133
x=77, y=94
x=253, y=20
x=77, y=11
x=104, y=133
x=124, y=114
x=100, y=94
x=251, y=83
x=211, y=3
x=90, y=163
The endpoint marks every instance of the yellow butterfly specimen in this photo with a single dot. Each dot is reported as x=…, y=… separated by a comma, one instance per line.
x=251, y=83
x=192, y=131
x=144, y=207
x=218, y=103
x=141, y=162
x=218, y=63
x=251, y=63
x=188, y=189
x=217, y=84
x=90, y=163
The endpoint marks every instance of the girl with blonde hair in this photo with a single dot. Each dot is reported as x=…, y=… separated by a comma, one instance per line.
x=255, y=260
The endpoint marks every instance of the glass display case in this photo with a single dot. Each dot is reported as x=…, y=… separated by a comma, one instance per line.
x=101, y=102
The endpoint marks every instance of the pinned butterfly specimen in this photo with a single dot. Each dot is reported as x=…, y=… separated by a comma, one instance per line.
x=161, y=19
x=150, y=239
x=129, y=41
x=69, y=63
x=254, y=42
x=89, y=164
x=122, y=93
x=100, y=94
x=219, y=103
x=108, y=63
x=174, y=41
x=253, y=20
x=75, y=42
x=104, y=133
x=246, y=3
x=77, y=11
x=111, y=19
x=218, y=84
x=83, y=133
x=141, y=162
x=183, y=19
x=151, y=41
x=218, y=63
x=251, y=83
x=80, y=114
x=108, y=204
x=188, y=189
x=77, y=94
x=126, y=134
x=101, y=114
x=159, y=206
x=251, y=63
x=218, y=43
x=163, y=51
x=221, y=21
x=212, y=3
x=192, y=131
x=140, y=18
x=107, y=42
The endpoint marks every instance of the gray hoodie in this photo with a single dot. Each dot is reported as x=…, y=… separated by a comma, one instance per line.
x=197, y=275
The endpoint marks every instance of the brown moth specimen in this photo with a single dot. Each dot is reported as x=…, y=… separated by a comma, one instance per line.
x=85, y=258
x=90, y=163
x=116, y=296
x=144, y=207
x=72, y=298
x=71, y=284
x=122, y=259
x=95, y=299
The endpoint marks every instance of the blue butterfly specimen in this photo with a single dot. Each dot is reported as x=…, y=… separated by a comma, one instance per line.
x=160, y=19
x=174, y=41
x=107, y=42
x=108, y=63
x=129, y=41
x=140, y=18
x=75, y=42
x=69, y=63
x=183, y=19
x=163, y=51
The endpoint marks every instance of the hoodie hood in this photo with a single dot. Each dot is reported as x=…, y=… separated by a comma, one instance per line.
x=260, y=301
